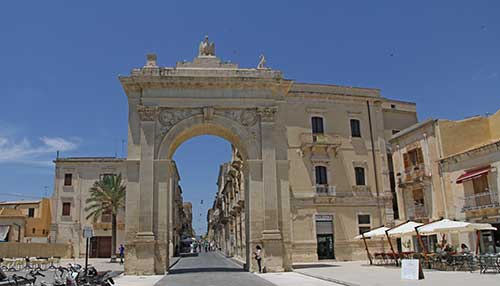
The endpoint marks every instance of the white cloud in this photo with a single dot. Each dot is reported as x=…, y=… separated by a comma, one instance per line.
x=58, y=143
x=26, y=152
x=482, y=74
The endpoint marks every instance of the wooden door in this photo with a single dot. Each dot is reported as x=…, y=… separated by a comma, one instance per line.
x=100, y=247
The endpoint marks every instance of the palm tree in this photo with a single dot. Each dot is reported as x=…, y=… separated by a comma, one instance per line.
x=107, y=196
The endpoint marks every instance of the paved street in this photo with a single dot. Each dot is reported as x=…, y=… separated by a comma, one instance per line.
x=210, y=269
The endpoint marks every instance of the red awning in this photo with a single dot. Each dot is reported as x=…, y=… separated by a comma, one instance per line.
x=473, y=174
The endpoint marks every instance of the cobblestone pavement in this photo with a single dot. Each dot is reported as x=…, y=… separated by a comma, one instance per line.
x=210, y=269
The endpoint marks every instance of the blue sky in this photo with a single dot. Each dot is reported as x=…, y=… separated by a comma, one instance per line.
x=60, y=61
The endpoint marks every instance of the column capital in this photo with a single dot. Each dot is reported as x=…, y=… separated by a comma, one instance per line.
x=147, y=113
x=267, y=114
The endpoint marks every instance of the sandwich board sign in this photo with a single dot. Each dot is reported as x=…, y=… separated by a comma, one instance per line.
x=411, y=269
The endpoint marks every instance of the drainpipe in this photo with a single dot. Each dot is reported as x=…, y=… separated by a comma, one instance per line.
x=374, y=159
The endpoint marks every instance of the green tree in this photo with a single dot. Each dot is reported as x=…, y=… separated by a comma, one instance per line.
x=107, y=196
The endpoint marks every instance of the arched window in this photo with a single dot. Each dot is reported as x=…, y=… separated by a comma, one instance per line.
x=317, y=125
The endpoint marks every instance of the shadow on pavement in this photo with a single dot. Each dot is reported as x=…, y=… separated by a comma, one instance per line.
x=304, y=266
x=204, y=269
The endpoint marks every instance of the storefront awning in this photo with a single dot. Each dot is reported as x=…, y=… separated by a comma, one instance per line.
x=472, y=174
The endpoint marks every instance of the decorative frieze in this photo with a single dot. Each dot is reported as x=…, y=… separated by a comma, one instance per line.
x=246, y=117
x=169, y=116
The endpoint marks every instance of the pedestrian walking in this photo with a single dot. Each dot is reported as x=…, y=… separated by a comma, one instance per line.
x=122, y=253
x=258, y=257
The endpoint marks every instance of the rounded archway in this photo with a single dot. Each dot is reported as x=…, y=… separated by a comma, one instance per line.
x=233, y=215
x=241, y=138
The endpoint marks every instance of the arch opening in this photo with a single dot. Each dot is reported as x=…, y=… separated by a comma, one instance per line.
x=226, y=217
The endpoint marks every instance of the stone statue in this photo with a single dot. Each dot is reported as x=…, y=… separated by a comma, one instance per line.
x=206, y=48
x=262, y=62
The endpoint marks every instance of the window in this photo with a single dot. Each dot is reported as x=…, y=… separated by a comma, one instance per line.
x=104, y=176
x=31, y=212
x=68, y=178
x=321, y=176
x=33, y=230
x=106, y=216
x=66, y=209
x=480, y=184
x=360, y=176
x=355, y=128
x=413, y=157
x=393, y=105
x=364, y=223
x=317, y=125
x=418, y=196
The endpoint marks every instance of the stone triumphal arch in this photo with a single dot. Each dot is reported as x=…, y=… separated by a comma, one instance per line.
x=167, y=106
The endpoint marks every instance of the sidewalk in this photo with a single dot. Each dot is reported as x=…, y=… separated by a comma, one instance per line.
x=294, y=279
x=359, y=273
x=103, y=264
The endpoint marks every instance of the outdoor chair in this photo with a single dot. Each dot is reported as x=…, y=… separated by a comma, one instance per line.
x=489, y=262
x=464, y=262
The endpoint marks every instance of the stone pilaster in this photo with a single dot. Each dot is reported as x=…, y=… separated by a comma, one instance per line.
x=143, y=251
x=271, y=235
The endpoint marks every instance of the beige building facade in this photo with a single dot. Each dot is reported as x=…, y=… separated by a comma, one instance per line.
x=448, y=169
x=226, y=219
x=73, y=179
x=315, y=163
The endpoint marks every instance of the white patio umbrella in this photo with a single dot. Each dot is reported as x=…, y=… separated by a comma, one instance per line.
x=446, y=225
x=407, y=228
x=378, y=232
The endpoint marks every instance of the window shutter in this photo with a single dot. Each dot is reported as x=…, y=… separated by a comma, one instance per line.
x=406, y=160
x=420, y=156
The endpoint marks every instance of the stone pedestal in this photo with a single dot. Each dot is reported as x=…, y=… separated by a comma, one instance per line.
x=273, y=250
x=146, y=256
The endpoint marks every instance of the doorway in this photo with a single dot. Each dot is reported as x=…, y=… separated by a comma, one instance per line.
x=100, y=247
x=324, y=237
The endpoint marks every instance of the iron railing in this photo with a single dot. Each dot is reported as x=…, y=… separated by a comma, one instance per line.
x=325, y=190
x=416, y=212
x=481, y=201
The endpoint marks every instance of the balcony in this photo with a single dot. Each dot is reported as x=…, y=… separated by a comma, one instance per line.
x=317, y=141
x=481, y=201
x=325, y=190
x=417, y=212
x=413, y=174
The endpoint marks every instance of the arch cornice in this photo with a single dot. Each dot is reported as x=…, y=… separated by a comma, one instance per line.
x=219, y=122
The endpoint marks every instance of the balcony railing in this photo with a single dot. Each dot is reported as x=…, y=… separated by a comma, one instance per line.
x=481, y=201
x=319, y=138
x=325, y=190
x=412, y=174
x=417, y=212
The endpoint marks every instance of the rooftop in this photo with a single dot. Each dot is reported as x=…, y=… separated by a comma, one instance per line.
x=20, y=202
x=89, y=159
x=411, y=129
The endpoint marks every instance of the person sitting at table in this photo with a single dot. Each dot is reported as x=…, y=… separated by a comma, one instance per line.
x=465, y=248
